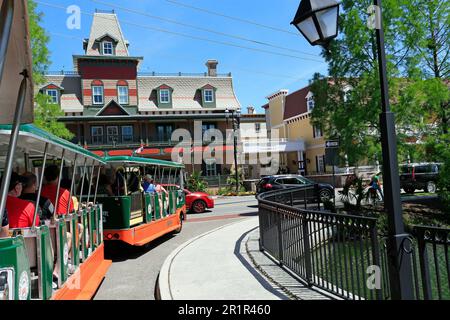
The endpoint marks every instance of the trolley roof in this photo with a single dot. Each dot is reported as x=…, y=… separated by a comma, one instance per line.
x=32, y=141
x=18, y=59
x=144, y=161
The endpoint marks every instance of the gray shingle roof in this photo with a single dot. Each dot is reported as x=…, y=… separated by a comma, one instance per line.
x=184, y=96
x=102, y=24
x=71, y=98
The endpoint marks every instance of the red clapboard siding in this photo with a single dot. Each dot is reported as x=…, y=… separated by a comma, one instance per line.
x=108, y=72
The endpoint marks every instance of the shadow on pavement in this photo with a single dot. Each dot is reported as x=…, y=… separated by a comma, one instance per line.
x=118, y=251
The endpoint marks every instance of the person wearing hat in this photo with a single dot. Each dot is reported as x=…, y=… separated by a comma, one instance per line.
x=20, y=212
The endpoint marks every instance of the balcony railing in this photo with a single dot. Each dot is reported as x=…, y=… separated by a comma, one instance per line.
x=143, y=74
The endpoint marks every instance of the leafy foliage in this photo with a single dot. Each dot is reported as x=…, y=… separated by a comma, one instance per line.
x=347, y=103
x=196, y=183
x=45, y=115
x=39, y=43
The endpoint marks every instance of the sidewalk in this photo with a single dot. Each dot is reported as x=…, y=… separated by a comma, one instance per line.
x=226, y=264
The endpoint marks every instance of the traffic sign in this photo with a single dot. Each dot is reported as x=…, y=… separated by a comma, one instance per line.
x=332, y=144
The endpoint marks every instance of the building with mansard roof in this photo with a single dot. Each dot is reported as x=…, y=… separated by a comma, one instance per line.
x=112, y=107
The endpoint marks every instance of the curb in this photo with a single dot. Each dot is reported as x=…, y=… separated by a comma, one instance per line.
x=163, y=283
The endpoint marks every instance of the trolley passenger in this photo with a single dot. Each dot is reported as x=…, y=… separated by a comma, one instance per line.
x=49, y=191
x=105, y=185
x=149, y=185
x=20, y=212
x=160, y=190
x=46, y=208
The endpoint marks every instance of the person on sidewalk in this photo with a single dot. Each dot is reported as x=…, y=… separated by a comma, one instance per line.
x=375, y=184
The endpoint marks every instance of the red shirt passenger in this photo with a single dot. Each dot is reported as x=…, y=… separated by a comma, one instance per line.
x=49, y=191
x=20, y=212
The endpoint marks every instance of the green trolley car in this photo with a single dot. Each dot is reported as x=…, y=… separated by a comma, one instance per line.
x=134, y=216
x=69, y=246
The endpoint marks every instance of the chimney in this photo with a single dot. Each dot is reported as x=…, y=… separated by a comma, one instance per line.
x=251, y=110
x=212, y=67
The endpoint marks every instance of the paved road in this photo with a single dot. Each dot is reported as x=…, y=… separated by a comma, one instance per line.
x=134, y=271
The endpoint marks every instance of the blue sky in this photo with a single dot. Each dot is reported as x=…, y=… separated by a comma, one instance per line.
x=255, y=74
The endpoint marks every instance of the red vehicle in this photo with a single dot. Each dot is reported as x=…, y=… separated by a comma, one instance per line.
x=197, y=202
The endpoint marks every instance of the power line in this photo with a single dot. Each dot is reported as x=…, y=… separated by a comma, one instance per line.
x=231, y=17
x=268, y=74
x=201, y=28
x=230, y=44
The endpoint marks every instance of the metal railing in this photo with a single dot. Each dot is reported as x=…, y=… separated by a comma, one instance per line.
x=344, y=254
x=142, y=74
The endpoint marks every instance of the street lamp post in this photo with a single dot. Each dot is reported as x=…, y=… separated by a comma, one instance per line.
x=317, y=21
x=235, y=118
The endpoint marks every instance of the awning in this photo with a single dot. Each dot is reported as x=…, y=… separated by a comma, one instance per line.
x=18, y=59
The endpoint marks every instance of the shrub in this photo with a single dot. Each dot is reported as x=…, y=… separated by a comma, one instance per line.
x=196, y=183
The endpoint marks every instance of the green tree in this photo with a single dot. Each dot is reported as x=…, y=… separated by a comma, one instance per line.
x=39, y=43
x=46, y=114
x=348, y=101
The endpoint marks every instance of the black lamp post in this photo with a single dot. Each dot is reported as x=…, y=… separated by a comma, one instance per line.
x=317, y=21
x=236, y=120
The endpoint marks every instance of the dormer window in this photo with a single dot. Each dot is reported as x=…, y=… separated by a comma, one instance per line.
x=209, y=95
x=53, y=96
x=108, y=48
x=164, y=96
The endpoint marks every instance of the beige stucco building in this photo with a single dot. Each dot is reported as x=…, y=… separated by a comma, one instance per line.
x=288, y=116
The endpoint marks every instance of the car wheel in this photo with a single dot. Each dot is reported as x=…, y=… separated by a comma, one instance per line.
x=325, y=195
x=431, y=187
x=409, y=190
x=199, y=206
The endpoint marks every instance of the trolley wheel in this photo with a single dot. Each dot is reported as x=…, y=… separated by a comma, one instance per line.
x=181, y=224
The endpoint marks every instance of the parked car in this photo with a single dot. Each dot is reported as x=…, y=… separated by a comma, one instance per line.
x=313, y=190
x=197, y=202
x=419, y=176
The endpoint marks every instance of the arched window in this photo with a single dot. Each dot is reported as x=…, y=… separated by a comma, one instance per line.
x=97, y=92
x=123, y=93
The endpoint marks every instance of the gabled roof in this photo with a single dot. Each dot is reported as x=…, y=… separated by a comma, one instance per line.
x=52, y=85
x=71, y=97
x=112, y=109
x=107, y=35
x=106, y=24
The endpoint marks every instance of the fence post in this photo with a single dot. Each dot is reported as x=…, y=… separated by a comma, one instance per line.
x=375, y=254
x=307, y=251
x=424, y=269
x=280, y=238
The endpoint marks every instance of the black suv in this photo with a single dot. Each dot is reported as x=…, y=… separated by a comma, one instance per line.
x=421, y=176
x=313, y=190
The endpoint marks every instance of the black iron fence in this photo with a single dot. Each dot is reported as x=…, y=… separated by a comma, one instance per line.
x=344, y=254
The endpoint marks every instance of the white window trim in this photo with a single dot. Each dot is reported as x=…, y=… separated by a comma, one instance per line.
x=51, y=97
x=168, y=96
x=97, y=136
x=316, y=130
x=108, y=135
x=112, y=48
x=212, y=95
x=93, y=95
x=119, y=96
